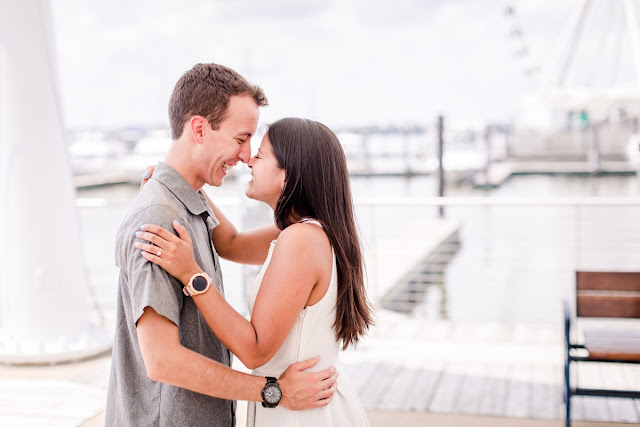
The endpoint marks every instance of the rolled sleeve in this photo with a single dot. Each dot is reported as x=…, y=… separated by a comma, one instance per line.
x=149, y=285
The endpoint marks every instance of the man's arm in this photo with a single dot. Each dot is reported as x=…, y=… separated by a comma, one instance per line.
x=167, y=361
x=247, y=247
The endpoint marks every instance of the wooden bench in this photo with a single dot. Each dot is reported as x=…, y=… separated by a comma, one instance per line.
x=602, y=295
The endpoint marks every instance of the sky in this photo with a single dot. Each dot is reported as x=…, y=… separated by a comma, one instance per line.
x=343, y=62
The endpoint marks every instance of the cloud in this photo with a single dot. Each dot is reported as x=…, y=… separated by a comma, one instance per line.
x=343, y=62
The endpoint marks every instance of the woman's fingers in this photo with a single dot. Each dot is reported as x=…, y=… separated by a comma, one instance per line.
x=153, y=258
x=152, y=238
x=173, y=254
x=152, y=249
x=162, y=232
x=147, y=174
x=182, y=231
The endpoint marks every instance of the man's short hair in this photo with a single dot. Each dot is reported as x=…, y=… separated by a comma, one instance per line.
x=205, y=90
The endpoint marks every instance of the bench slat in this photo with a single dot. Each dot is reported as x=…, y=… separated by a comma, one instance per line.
x=609, y=355
x=608, y=306
x=617, y=281
x=612, y=344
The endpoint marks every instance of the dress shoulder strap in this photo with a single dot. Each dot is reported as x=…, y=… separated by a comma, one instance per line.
x=311, y=221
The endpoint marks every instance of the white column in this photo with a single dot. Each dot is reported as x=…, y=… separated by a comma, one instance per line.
x=632, y=30
x=45, y=305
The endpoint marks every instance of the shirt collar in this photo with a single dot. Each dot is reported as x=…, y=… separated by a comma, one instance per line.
x=194, y=201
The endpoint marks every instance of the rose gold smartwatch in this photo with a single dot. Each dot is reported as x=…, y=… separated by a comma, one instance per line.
x=198, y=284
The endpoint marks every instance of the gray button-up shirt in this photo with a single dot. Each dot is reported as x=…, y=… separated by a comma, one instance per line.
x=133, y=399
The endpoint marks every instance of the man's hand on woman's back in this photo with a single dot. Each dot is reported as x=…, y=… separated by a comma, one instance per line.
x=307, y=390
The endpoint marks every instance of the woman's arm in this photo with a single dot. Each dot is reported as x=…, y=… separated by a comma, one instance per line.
x=302, y=258
x=248, y=247
x=295, y=268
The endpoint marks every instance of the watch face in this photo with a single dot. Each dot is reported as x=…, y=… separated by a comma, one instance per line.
x=199, y=283
x=272, y=394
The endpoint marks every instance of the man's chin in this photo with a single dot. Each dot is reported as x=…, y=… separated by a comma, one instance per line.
x=216, y=182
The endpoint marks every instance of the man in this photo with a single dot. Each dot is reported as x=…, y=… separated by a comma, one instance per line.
x=168, y=367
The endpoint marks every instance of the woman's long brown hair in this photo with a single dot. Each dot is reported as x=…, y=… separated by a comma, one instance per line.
x=317, y=186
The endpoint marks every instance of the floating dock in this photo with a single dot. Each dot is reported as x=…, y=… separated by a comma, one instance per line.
x=497, y=173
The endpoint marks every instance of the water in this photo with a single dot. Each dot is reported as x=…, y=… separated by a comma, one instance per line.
x=515, y=263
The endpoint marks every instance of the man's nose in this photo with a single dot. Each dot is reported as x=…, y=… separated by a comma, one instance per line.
x=245, y=152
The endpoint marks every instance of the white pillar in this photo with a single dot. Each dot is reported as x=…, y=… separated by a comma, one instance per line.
x=632, y=30
x=44, y=300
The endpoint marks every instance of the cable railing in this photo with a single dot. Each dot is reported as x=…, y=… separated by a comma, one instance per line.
x=503, y=259
x=498, y=201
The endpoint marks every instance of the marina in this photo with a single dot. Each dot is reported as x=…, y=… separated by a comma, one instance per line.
x=468, y=304
x=473, y=223
x=484, y=338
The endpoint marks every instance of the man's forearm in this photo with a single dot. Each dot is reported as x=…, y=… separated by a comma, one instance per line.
x=185, y=368
x=167, y=361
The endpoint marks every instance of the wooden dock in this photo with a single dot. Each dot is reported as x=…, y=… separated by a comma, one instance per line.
x=102, y=179
x=404, y=366
x=391, y=259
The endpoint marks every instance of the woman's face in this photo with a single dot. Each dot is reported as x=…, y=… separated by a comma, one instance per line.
x=267, y=179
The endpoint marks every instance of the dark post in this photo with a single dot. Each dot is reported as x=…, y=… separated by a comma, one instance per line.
x=594, y=153
x=487, y=164
x=508, y=135
x=440, y=163
x=407, y=151
x=366, y=155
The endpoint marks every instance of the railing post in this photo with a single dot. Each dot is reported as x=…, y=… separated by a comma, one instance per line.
x=487, y=145
x=593, y=153
x=440, y=163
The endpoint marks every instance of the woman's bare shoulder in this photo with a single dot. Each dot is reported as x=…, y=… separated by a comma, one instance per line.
x=303, y=237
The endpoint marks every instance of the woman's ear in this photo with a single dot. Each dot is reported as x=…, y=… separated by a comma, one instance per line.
x=284, y=179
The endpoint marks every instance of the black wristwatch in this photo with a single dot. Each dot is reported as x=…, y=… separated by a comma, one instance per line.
x=271, y=393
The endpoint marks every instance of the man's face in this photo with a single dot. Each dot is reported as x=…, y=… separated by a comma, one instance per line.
x=225, y=147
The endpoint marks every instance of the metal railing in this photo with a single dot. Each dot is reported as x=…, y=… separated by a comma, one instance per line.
x=513, y=260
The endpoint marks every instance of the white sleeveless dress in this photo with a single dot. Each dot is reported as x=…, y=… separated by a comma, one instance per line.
x=311, y=335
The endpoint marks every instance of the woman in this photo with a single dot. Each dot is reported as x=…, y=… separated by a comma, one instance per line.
x=309, y=298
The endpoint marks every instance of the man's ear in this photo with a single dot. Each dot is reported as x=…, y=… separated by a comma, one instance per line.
x=197, y=126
